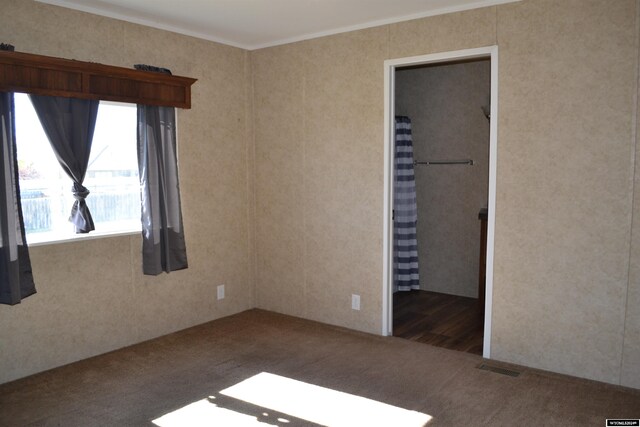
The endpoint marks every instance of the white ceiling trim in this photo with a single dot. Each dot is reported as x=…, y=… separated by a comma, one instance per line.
x=145, y=22
x=442, y=11
x=181, y=30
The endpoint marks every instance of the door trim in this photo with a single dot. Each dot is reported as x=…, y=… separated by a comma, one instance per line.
x=390, y=66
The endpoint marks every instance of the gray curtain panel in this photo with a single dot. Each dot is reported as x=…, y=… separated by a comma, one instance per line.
x=163, y=244
x=69, y=124
x=16, y=278
x=405, y=242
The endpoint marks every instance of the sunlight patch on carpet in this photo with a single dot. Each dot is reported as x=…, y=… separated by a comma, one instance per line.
x=204, y=413
x=274, y=398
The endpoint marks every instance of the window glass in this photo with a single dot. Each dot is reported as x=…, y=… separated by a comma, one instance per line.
x=112, y=175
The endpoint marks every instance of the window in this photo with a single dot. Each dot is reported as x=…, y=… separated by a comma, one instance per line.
x=112, y=176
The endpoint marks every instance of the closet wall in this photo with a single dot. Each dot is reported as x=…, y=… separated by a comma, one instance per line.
x=444, y=103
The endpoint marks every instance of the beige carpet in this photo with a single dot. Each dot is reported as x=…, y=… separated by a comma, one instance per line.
x=261, y=368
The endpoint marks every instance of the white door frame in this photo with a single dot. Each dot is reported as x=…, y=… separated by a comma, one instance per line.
x=390, y=66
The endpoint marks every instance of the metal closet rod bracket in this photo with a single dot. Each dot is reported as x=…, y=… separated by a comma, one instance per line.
x=445, y=162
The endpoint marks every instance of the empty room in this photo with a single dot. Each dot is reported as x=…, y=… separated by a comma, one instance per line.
x=409, y=213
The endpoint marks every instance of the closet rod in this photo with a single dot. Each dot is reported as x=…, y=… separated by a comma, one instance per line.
x=445, y=162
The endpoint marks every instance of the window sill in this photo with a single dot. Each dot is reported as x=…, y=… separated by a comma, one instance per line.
x=53, y=239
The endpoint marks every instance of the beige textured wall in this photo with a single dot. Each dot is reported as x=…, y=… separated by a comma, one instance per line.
x=630, y=375
x=564, y=187
x=444, y=103
x=318, y=125
x=106, y=303
x=567, y=85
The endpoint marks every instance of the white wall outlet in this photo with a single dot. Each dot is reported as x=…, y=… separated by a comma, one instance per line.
x=220, y=292
x=355, y=302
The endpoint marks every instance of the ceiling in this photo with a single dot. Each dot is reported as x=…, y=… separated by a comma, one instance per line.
x=253, y=24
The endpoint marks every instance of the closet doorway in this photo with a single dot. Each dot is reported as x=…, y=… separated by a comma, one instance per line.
x=440, y=162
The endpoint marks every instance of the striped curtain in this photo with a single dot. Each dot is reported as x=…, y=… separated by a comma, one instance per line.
x=405, y=209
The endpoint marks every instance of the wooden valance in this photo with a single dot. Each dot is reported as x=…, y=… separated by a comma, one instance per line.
x=46, y=75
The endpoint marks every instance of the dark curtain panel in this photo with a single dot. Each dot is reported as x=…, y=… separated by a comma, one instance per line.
x=69, y=124
x=163, y=247
x=16, y=278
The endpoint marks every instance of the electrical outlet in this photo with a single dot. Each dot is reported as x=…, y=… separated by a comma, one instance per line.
x=220, y=292
x=355, y=302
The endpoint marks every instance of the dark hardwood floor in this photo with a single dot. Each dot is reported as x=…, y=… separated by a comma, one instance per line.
x=441, y=320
